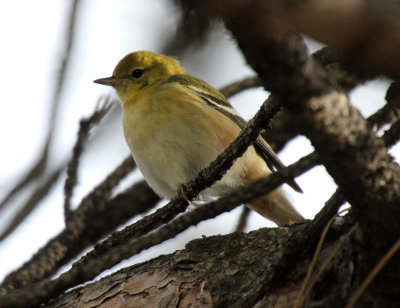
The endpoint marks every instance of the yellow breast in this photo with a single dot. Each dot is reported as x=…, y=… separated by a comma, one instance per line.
x=173, y=135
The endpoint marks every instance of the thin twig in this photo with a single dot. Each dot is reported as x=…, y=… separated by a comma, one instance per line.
x=242, y=222
x=216, y=170
x=307, y=284
x=33, y=173
x=72, y=170
x=326, y=213
x=328, y=260
x=238, y=86
x=302, y=295
x=371, y=276
x=36, y=196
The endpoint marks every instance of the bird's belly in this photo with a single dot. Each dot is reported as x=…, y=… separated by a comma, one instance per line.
x=169, y=153
x=171, y=148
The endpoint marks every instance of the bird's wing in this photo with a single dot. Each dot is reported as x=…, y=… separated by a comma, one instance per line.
x=217, y=100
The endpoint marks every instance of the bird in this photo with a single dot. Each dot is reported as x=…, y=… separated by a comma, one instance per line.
x=176, y=124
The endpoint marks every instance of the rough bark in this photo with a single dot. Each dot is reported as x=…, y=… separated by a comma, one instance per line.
x=225, y=271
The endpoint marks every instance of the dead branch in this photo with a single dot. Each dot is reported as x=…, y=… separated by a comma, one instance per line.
x=72, y=169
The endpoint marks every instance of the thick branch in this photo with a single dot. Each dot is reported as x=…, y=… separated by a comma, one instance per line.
x=210, y=272
x=352, y=154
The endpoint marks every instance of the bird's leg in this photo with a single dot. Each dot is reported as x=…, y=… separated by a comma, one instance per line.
x=183, y=193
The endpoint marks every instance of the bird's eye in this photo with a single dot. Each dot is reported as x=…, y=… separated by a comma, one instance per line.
x=137, y=73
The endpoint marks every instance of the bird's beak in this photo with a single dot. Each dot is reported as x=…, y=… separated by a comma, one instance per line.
x=108, y=81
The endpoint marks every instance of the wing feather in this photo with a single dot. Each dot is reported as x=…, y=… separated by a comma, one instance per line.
x=217, y=100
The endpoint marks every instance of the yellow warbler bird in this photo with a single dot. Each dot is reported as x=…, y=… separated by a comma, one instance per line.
x=176, y=124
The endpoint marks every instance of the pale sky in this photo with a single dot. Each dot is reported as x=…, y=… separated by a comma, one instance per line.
x=32, y=36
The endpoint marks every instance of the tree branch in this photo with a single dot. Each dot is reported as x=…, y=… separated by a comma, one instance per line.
x=72, y=169
x=71, y=240
x=239, y=86
x=81, y=272
x=35, y=197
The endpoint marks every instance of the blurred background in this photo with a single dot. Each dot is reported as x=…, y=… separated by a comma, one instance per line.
x=34, y=44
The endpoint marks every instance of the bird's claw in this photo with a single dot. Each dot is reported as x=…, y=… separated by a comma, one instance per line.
x=183, y=193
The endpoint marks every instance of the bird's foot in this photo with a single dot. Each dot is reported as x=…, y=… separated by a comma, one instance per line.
x=183, y=193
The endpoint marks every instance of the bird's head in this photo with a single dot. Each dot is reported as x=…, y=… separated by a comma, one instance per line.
x=138, y=70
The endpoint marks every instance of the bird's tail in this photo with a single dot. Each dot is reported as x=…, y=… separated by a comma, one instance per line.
x=276, y=207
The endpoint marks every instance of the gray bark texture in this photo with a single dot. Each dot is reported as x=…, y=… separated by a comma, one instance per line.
x=230, y=271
